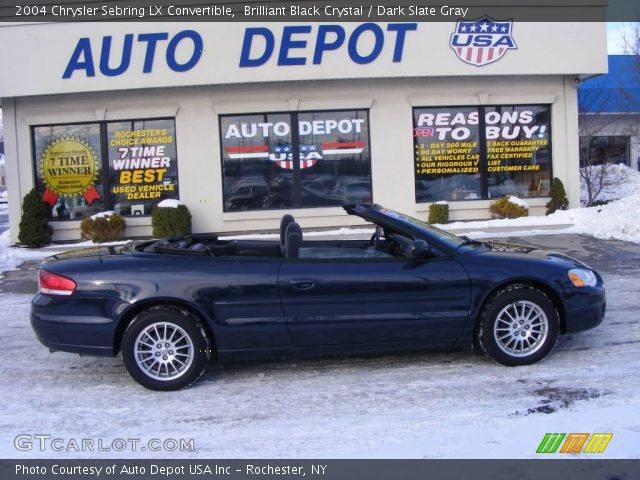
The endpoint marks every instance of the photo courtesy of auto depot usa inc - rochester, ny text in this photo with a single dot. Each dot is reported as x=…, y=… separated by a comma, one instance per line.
x=211, y=469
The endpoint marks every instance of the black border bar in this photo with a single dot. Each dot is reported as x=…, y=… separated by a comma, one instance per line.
x=321, y=469
x=319, y=10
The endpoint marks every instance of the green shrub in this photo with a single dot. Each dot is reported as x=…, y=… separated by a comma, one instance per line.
x=439, y=212
x=169, y=221
x=35, y=230
x=504, y=208
x=103, y=228
x=559, y=199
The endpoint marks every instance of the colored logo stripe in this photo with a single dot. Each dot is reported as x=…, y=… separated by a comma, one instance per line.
x=550, y=443
x=574, y=443
x=597, y=442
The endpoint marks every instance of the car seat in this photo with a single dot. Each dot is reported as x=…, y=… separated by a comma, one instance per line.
x=293, y=240
x=285, y=221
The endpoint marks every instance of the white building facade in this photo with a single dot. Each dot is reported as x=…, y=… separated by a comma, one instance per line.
x=244, y=121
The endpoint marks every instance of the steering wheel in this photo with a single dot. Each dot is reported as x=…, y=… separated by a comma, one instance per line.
x=375, y=238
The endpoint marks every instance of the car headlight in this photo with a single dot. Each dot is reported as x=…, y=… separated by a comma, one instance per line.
x=582, y=278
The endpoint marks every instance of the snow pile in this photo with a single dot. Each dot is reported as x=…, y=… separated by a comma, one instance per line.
x=12, y=257
x=170, y=203
x=614, y=221
x=8, y=260
x=621, y=181
x=106, y=214
x=518, y=201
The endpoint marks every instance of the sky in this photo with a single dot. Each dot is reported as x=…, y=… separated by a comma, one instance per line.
x=614, y=36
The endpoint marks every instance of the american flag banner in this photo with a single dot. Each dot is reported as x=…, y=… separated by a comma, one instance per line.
x=482, y=41
x=281, y=154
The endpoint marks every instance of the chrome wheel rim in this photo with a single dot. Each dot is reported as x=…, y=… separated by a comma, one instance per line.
x=164, y=351
x=521, y=328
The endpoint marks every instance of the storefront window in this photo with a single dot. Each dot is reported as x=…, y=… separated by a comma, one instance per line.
x=69, y=169
x=260, y=170
x=127, y=166
x=340, y=172
x=469, y=153
x=447, y=154
x=518, y=151
x=143, y=166
x=255, y=152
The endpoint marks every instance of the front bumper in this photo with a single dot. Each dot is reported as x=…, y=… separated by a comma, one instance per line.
x=585, y=308
x=68, y=325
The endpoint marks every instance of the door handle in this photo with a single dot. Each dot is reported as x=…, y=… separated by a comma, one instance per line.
x=302, y=285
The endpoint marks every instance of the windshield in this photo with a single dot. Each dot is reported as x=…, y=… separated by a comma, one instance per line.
x=429, y=231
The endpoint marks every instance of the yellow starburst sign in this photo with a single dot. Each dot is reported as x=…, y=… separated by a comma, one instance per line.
x=69, y=166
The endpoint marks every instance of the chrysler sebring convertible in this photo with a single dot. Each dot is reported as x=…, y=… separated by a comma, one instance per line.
x=170, y=305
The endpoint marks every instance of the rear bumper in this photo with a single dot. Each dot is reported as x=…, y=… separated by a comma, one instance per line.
x=83, y=334
x=585, y=309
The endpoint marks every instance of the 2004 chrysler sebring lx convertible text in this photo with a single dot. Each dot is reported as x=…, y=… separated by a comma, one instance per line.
x=168, y=304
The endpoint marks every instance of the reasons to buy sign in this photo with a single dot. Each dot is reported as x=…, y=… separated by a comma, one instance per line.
x=447, y=140
x=68, y=167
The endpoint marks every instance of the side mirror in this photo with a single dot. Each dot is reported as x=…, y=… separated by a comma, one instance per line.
x=421, y=249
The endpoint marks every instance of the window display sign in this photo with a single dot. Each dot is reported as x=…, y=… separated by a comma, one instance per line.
x=69, y=170
x=72, y=162
x=69, y=167
x=461, y=152
x=142, y=164
x=447, y=154
x=306, y=159
x=518, y=150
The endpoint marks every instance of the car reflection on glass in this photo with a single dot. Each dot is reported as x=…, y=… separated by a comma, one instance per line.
x=248, y=196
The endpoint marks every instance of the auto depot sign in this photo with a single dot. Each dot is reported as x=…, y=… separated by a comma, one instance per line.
x=79, y=57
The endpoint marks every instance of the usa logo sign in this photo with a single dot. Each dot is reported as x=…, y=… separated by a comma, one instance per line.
x=482, y=41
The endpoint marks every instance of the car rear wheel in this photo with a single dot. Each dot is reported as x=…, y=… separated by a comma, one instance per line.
x=165, y=348
x=518, y=326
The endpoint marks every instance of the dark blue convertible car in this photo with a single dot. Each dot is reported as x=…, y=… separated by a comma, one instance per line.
x=169, y=305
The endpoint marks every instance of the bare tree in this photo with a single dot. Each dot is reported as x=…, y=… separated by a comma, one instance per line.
x=598, y=125
x=631, y=39
x=595, y=163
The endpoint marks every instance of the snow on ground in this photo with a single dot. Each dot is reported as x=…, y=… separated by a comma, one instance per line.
x=11, y=257
x=617, y=220
x=434, y=405
x=621, y=181
x=170, y=203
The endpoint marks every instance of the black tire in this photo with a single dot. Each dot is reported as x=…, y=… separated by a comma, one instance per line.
x=175, y=363
x=501, y=331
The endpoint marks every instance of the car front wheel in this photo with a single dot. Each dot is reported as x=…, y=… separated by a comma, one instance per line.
x=518, y=326
x=164, y=348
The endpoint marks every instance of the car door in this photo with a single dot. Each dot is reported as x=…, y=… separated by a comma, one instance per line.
x=331, y=301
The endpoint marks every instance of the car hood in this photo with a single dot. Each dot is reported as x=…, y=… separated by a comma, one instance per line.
x=527, y=252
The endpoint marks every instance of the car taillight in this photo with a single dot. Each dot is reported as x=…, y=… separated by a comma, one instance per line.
x=54, y=284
